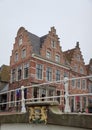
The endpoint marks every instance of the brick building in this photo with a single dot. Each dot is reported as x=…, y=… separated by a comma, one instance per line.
x=36, y=60
x=4, y=85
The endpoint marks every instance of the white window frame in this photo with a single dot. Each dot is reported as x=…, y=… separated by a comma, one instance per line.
x=48, y=54
x=41, y=69
x=53, y=44
x=16, y=56
x=49, y=74
x=20, y=40
x=82, y=84
x=57, y=58
x=23, y=53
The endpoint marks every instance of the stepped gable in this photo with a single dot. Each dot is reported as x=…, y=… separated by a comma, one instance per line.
x=68, y=55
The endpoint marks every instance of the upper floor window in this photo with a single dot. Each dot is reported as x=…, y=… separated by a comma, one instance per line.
x=90, y=88
x=49, y=74
x=66, y=74
x=57, y=75
x=57, y=58
x=19, y=72
x=81, y=70
x=26, y=68
x=91, y=68
x=16, y=56
x=39, y=71
x=20, y=40
x=53, y=44
x=13, y=76
x=75, y=68
x=73, y=83
x=78, y=83
x=83, y=84
x=78, y=57
x=48, y=54
x=23, y=53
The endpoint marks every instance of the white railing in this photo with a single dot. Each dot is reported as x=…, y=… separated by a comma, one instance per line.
x=67, y=95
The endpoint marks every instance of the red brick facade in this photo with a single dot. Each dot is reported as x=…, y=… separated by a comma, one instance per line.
x=37, y=60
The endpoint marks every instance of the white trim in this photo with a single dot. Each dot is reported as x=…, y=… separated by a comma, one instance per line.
x=51, y=62
x=36, y=71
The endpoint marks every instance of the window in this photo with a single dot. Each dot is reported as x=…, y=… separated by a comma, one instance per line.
x=16, y=56
x=83, y=83
x=78, y=83
x=49, y=74
x=39, y=71
x=19, y=72
x=73, y=83
x=48, y=54
x=53, y=44
x=57, y=75
x=78, y=57
x=57, y=58
x=66, y=74
x=26, y=67
x=81, y=70
x=84, y=101
x=75, y=68
x=58, y=94
x=90, y=88
x=13, y=75
x=20, y=40
x=12, y=98
x=23, y=53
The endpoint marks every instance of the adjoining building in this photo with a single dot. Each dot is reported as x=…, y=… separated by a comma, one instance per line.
x=36, y=60
x=4, y=85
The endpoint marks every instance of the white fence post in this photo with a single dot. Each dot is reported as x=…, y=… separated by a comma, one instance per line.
x=67, y=106
x=23, y=109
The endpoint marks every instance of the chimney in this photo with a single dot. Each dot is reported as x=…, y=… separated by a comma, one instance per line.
x=77, y=44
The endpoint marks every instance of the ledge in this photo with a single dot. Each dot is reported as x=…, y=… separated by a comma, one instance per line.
x=73, y=120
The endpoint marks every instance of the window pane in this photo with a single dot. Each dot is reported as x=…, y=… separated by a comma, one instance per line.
x=57, y=58
x=57, y=75
x=49, y=74
x=26, y=68
x=48, y=54
x=39, y=71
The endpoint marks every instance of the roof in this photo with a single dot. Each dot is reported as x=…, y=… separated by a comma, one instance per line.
x=36, y=42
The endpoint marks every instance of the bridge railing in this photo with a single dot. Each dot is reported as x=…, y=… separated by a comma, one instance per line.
x=22, y=100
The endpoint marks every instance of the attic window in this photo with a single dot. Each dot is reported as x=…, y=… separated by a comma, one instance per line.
x=20, y=40
x=78, y=57
x=53, y=44
x=16, y=56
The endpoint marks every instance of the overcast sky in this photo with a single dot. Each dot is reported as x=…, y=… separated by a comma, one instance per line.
x=71, y=18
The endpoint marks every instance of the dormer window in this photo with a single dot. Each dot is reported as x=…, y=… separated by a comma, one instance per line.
x=20, y=40
x=53, y=44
